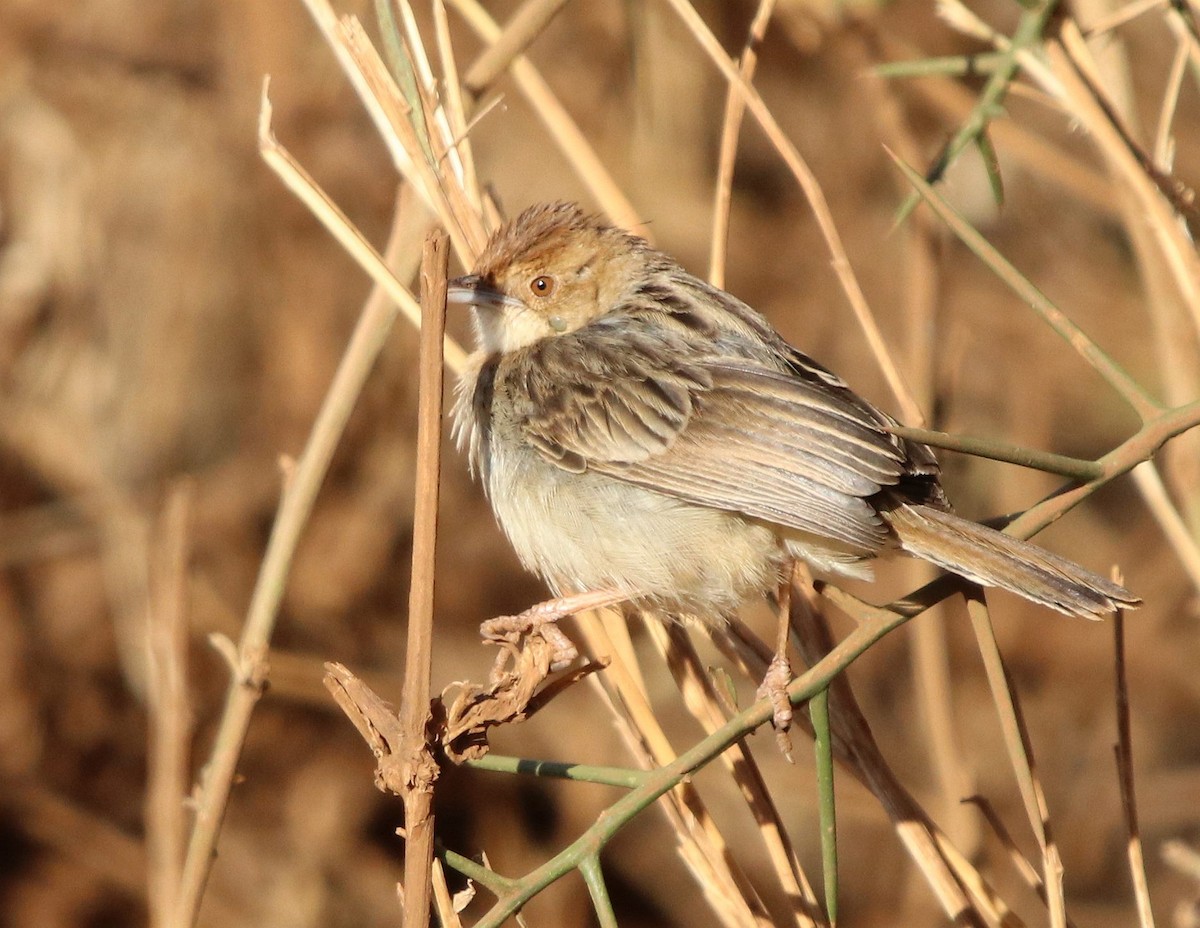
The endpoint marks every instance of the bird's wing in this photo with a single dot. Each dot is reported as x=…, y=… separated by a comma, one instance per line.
x=717, y=430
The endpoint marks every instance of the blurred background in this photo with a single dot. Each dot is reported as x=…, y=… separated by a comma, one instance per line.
x=170, y=319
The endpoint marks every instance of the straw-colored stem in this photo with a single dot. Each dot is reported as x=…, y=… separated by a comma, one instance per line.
x=816, y=198
x=415, y=711
x=564, y=131
x=518, y=34
x=248, y=660
x=1124, y=754
x=1116, y=376
x=169, y=708
x=1020, y=752
x=731, y=126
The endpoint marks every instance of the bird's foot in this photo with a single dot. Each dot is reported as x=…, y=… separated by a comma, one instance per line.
x=774, y=687
x=508, y=630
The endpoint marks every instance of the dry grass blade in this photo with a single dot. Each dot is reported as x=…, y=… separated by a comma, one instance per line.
x=1158, y=500
x=1020, y=753
x=855, y=747
x=1174, y=245
x=1121, y=17
x=731, y=127
x=988, y=903
x=530, y=20
x=1033, y=153
x=1025, y=869
x=1124, y=755
x=456, y=111
x=726, y=887
x=1164, y=146
x=106, y=395
x=347, y=235
x=562, y=128
x=1130, y=390
x=699, y=695
x=816, y=198
x=335, y=32
x=407, y=140
x=249, y=659
x=169, y=705
x=415, y=713
x=446, y=909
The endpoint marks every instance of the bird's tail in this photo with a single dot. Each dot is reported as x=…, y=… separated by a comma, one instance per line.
x=994, y=559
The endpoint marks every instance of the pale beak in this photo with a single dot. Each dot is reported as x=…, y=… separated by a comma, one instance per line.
x=473, y=290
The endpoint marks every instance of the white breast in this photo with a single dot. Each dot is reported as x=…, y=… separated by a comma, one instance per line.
x=590, y=531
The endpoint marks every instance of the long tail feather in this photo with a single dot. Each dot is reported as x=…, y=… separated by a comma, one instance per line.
x=994, y=559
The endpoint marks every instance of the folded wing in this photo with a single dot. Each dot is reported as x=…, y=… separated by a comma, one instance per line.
x=715, y=429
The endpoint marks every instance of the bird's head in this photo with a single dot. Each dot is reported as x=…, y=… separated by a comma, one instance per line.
x=546, y=273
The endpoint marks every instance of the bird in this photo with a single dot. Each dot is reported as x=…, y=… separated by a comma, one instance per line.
x=644, y=437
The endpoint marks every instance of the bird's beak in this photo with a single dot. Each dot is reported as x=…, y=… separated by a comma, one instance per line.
x=473, y=290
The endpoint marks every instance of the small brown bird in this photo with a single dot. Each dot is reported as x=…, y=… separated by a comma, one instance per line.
x=644, y=436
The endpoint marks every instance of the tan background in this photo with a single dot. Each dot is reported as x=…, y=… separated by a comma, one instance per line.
x=166, y=308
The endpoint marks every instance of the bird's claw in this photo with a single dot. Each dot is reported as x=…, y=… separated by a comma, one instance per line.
x=774, y=687
x=506, y=632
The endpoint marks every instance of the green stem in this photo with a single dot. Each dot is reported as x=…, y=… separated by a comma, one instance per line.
x=948, y=66
x=489, y=879
x=1153, y=435
x=593, y=875
x=609, y=776
x=395, y=53
x=1029, y=30
x=818, y=709
x=1078, y=468
x=667, y=777
x=1116, y=376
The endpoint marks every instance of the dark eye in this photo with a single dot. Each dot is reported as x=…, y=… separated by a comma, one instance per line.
x=542, y=286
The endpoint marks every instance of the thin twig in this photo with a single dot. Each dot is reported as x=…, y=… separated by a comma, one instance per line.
x=170, y=712
x=671, y=775
x=1164, y=145
x=820, y=206
x=944, y=66
x=558, y=122
x=447, y=916
x=593, y=876
x=1124, y=754
x=928, y=655
x=700, y=697
x=1180, y=195
x=414, y=706
x=1121, y=16
x=726, y=887
x=731, y=127
x=1047, y=461
x=249, y=658
x=301, y=183
x=1030, y=151
x=525, y=25
x=1176, y=248
x=818, y=710
x=1158, y=501
x=623, y=777
x=1122, y=459
x=1020, y=752
x=1028, y=32
x=855, y=747
x=1027, y=871
x=455, y=109
x=1117, y=377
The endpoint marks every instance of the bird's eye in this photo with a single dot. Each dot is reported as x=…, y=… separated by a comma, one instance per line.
x=543, y=285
